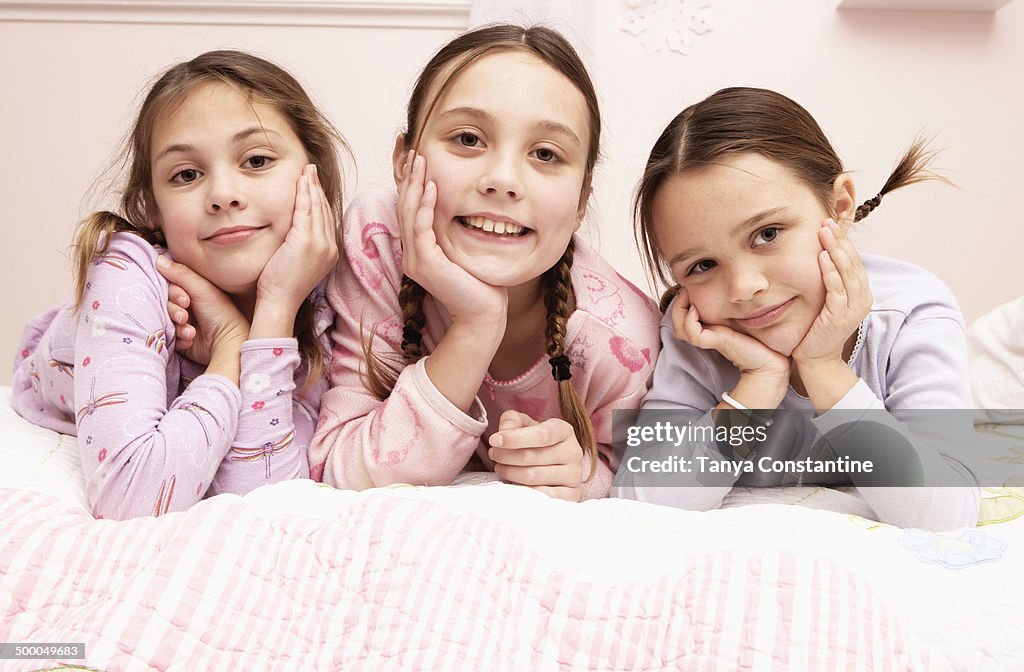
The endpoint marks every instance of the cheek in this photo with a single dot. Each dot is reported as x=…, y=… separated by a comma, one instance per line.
x=708, y=302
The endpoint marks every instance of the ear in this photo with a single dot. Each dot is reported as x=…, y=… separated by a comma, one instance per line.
x=844, y=200
x=581, y=209
x=398, y=158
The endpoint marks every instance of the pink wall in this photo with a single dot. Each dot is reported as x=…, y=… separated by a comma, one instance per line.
x=873, y=80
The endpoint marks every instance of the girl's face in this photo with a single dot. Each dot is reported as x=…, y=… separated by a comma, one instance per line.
x=507, y=147
x=225, y=171
x=741, y=236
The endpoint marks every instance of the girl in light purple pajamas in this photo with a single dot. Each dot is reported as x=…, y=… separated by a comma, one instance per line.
x=744, y=209
x=234, y=174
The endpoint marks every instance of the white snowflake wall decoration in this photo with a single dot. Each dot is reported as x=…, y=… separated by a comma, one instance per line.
x=667, y=24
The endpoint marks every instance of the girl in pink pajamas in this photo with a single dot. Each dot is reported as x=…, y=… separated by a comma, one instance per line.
x=473, y=329
x=233, y=174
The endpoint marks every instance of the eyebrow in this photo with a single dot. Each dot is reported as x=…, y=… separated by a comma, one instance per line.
x=485, y=116
x=237, y=137
x=749, y=223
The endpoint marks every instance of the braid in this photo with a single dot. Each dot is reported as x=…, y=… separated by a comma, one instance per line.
x=382, y=370
x=557, y=284
x=864, y=209
x=913, y=167
x=410, y=300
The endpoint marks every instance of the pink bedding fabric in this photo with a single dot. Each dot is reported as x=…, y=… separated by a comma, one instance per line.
x=400, y=582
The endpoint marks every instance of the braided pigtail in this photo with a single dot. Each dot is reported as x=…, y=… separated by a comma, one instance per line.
x=382, y=374
x=557, y=283
x=915, y=166
x=410, y=299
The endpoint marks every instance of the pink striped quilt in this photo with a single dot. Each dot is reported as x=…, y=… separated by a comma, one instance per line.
x=491, y=577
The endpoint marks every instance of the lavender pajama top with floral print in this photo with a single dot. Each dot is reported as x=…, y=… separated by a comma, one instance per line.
x=417, y=435
x=156, y=433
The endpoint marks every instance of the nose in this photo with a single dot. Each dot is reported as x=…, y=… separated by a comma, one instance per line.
x=502, y=177
x=745, y=282
x=224, y=192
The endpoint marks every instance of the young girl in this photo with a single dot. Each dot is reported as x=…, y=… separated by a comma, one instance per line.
x=234, y=173
x=745, y=206
x=473, y=330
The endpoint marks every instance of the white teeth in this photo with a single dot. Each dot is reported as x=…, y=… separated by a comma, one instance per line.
x=484, y=224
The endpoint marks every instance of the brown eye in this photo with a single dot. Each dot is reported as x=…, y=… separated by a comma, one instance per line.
x=468, y=140
x=767, y=235
x=257, y=162
x=546, y=155
x=702, y=266
x=186, y=176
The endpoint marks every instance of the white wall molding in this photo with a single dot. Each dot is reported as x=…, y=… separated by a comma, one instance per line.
x=452, y=14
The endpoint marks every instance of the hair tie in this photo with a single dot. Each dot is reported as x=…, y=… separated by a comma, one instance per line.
x=411, y=336
x=560, y=368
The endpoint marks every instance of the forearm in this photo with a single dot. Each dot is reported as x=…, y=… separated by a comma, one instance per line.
x=459, y=363
x=225, y=358
x=826, y=381
x=415, y=436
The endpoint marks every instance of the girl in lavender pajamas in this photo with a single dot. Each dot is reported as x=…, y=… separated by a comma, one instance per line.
x=233, y=174
x=744, y=209
x=474, y=331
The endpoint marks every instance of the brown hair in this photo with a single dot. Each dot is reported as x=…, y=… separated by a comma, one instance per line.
x=261, y=82
x=554, y=50
x=739, y=119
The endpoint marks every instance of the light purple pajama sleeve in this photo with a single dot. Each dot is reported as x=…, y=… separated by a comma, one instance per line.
x=154, y=432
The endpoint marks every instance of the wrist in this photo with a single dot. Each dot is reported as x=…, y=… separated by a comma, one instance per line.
x=819, y=366
x=273, y=320
x=763, y=391
x=487, y=328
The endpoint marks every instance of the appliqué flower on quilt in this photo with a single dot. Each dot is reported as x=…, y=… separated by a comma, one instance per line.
x=968, y=548
x=667, y=24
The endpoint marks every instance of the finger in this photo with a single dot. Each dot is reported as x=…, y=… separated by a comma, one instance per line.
x=511, y=419
x=694, y=332
x=316, y=197
x=302, y=217
x=835, y=291
x=567, y=493
x=680, y=306
x=178, y=296
x=326, y=229
x=547, y=433
x=423, y=233
x=525, y=457
x=410, y=193
x=177, y=314
x=562, y=474
x=188, y=280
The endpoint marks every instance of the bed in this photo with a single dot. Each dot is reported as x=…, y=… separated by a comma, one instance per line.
x=484, y=575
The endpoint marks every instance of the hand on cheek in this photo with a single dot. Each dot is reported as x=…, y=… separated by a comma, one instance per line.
x=745, y=352
x=545, y=456
x=847, y=297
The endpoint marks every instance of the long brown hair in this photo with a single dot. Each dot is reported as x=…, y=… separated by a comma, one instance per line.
x=554, y=50
x=740, y=119
x=262, y=82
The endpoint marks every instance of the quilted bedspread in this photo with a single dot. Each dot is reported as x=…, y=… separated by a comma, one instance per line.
x=489, y=576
